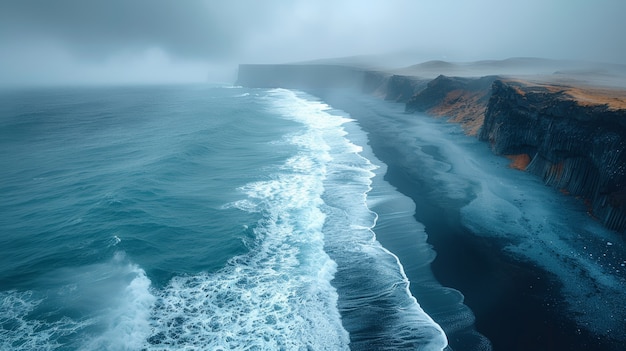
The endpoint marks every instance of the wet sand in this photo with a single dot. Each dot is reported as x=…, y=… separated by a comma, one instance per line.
x=517, y=306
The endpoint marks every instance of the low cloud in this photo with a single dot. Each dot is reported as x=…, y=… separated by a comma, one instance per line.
x=195, y=40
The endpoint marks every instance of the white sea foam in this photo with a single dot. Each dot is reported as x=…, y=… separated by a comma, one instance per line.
x=231, y=87
x=114, y=240
x=376, y=276
x=352, y=228
x=19, y=332
x=126, y=320
x=278, y=296
x=114, y=299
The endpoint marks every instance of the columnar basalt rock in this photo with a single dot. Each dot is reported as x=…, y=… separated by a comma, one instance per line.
x=575, y=146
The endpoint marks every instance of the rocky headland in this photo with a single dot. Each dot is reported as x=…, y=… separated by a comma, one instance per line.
x=573, y=137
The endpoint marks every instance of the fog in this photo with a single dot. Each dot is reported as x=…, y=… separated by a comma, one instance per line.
x=158, y=41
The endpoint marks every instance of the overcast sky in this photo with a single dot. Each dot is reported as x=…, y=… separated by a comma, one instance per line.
x=109, y=41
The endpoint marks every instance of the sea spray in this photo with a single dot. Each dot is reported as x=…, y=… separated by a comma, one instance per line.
x=376, y=305
x=98, y=307
x=278, y=296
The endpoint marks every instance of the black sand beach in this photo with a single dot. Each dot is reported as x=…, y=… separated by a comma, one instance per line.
x=517, y=305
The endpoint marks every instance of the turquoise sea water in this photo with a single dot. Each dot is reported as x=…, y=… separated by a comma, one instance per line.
x=197, y=218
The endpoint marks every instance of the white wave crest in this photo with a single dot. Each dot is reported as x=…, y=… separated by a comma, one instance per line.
x=279, y=295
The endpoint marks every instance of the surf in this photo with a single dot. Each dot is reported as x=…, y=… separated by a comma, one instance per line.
x=204, y=218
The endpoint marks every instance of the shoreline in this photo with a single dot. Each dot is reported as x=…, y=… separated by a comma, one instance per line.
x=517, y=305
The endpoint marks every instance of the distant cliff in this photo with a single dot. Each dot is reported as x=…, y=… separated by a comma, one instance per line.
x=573, y=139
x=402, y=88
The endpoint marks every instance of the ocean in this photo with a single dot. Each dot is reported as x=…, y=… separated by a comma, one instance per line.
x=194, y=217
x=207, y=217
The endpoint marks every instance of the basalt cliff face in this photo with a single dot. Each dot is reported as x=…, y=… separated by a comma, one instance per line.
x=573, y=138
x=403, y=88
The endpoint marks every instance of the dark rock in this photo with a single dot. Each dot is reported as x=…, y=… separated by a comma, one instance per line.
x=574, y=147
x=440, y=88
x=402, y=88
x=375, y=83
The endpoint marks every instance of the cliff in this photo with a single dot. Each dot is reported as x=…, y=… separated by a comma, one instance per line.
x=464, y=100
x=402, y=88
x=573, y=138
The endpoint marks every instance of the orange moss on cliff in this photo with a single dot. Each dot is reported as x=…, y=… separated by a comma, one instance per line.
x=520, y=161
x=581, y=93
x=464, y=107
x=614, y=99
x=464, y=100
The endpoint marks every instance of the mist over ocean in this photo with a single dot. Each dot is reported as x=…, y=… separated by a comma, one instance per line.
x=204, y=217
